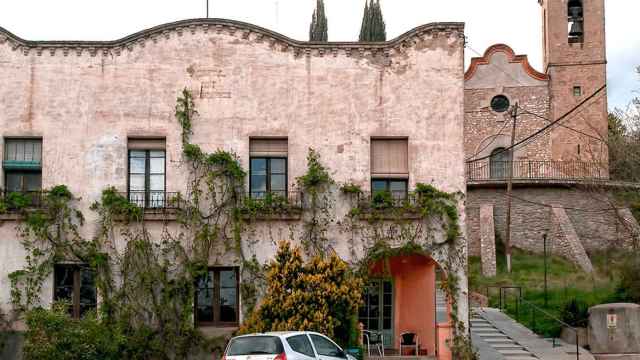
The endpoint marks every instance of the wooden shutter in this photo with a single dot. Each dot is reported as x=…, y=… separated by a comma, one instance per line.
x=147, y=144
x=389, y=158
x=269, y=147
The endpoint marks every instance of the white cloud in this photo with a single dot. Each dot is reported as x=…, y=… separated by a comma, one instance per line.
x=514, y=22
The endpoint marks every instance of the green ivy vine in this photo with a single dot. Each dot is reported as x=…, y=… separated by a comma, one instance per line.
x=147, y=281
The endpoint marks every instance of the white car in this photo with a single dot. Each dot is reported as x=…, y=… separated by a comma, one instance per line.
x=289, y=345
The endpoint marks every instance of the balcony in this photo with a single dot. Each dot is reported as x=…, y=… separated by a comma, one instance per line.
x=387, y=205
x=13, y=204
x=544, y=172
x=278, y=205
x=155, y=201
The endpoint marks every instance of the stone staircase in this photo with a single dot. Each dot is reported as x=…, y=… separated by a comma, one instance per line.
x=500, y=342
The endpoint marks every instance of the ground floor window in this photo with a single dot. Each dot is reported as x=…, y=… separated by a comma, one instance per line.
x=75, y=284
x=216, y=302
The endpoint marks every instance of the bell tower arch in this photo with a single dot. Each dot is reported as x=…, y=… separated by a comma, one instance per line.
x=574, y=54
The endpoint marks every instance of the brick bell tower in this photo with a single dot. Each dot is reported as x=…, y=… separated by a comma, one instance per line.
x=574, y=52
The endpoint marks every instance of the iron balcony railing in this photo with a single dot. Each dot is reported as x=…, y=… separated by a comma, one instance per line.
x=487, y=170
x=19, y=200
x=385, y=199
x=162, y=200
x=154, y=200
x=278, y=198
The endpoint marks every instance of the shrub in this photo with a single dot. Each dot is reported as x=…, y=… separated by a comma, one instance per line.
x=320, y=295
x=576, y=313
x=52, y=334
x=628, y=288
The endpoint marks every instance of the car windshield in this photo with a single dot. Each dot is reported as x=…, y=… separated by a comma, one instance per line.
x=255, y=345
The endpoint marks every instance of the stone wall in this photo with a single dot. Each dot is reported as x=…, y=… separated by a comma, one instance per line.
x=501, y=72
x=588, y=210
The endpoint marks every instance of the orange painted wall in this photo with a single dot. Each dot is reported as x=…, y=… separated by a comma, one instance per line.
x=414, y=279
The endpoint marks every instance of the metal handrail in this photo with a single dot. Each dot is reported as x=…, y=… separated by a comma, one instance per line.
x=489, y=170
x=518, y=304
x=36, y=198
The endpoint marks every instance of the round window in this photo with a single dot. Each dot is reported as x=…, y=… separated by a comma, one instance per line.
x=500, y=104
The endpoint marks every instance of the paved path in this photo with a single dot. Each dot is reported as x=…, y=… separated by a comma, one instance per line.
x=498, y=337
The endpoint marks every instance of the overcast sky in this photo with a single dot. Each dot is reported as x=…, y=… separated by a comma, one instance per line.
x=514, y=22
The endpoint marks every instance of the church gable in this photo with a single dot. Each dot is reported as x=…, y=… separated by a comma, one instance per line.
x=501, y=67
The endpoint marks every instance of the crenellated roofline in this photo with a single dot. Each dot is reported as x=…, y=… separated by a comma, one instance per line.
x=232, y=27
x=513, y=58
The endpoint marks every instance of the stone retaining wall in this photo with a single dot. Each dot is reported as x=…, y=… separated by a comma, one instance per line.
x=589, y=211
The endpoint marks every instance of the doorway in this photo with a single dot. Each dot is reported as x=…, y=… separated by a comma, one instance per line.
x=376, y=314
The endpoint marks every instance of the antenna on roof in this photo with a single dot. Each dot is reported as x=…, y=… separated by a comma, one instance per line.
x=207, y=9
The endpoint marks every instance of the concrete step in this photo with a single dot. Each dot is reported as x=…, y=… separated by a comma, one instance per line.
x=481, y=330
x=493, y=335
x=511, y=346
x=510, y=352
x=493, y=341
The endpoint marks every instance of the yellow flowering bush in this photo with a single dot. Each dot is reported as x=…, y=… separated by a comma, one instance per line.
x=322, y=294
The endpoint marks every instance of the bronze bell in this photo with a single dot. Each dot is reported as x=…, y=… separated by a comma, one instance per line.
x=577, y=29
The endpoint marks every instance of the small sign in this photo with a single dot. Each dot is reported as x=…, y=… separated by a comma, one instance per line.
x=612, y=321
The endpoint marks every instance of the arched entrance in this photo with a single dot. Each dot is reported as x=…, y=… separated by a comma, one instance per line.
x=401, y=296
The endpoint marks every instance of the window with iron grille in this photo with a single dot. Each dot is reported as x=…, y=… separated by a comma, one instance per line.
x=75, y=284
x=22, y=165
x=216, y=300
x=268, y=167
x=147, y=164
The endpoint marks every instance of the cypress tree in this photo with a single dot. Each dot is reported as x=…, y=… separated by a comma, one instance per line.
x=373, y=27
x=318, y=31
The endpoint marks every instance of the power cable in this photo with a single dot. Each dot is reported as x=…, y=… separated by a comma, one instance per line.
x=491, y=142
x=550, y=125
x=528, y=112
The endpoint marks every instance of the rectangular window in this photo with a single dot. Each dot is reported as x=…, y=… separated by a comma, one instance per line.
x=389, y=158
x=147, y=164
x=216, y=300
x=577, y=91
x=75, y=284
x=268, y=167
x=22, y=165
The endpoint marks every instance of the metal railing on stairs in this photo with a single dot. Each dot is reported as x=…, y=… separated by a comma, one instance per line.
x=533, y=310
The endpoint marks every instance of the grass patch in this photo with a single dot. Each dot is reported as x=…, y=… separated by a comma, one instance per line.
x=566, y=283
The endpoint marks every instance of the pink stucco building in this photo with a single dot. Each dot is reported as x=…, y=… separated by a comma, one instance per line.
x=385, y=115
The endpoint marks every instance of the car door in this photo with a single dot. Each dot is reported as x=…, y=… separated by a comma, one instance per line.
x=301, y=346
x=326, y=349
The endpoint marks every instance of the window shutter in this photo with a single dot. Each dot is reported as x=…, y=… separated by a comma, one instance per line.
x=147, y=144
x=268, y=147
x=389, y=158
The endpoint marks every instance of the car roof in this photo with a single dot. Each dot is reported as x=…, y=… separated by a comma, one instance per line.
x=280, y=333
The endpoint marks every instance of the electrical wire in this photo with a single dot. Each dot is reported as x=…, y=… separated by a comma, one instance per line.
x=545, y=128
x=491, y=142
x=539, y=132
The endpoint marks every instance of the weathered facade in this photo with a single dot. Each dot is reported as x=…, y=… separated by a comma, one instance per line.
x=91, y=105
x=559, y=159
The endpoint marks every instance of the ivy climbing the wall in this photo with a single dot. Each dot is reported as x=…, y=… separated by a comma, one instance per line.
x=145, y=273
